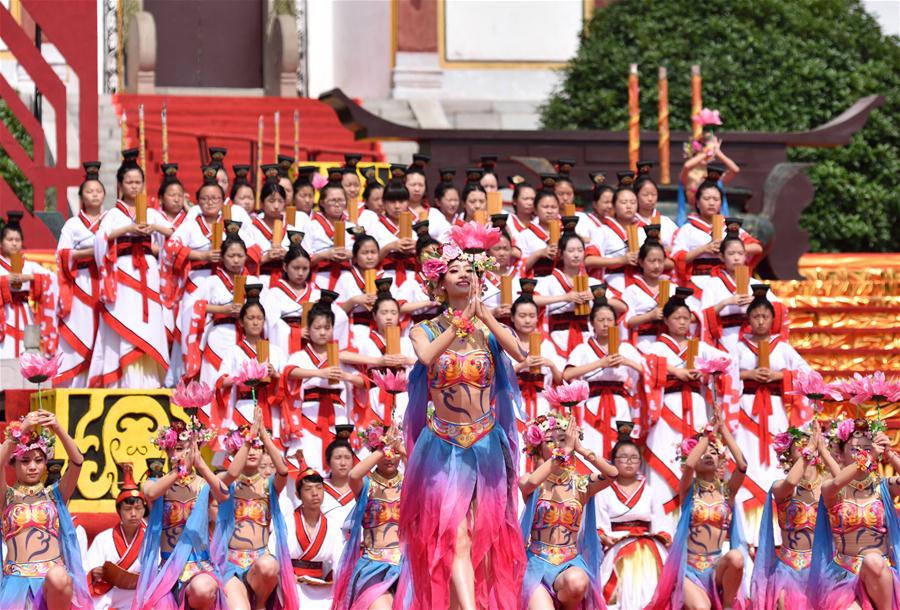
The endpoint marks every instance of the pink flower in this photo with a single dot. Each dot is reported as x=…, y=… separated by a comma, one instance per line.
x=533, y=435
x=873, y=387
x=845, y=429
x=713, y=366
x=251, y=372
x=37, y=369
x=434, y=268
x=393, y=382
x=474, y=236
x=193, y=395
x=567, y=394
x=708, y=117
x=450, y=251
x=782, y=442
x=318, y=181
x=687, y=445
x=813, y=387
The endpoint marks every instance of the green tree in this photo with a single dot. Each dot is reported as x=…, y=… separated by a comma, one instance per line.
x=9, y=171
x=768, y=65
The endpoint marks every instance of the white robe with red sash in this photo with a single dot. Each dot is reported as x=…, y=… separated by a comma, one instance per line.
x=683, y=412
x=111, y=545
x=375, y=345
x=352, y=283
x=317, y=404
x=764, y=413
x=641, y=529
x=309, y=548
x=79, y=300
x=614, y=242
x=565, y=328
x=691, y=235
x=337, y=506
x=320, y=236
x=131, y=349
x=641, y=298
x=612, y=393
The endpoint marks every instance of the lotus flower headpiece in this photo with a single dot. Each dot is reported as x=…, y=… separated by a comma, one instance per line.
x=467, y=243
x=25, y=442
x=537, y=429
x=235, y=439
x=178, y=430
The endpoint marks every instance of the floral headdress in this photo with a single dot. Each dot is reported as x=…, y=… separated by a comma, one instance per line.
x=684, y=448
x=169, y=436
x=536, y=430
x=25, y=442
x=235, y=439
x=783, y=442
x=375, y=438
x=466, y=243
x=849, y=427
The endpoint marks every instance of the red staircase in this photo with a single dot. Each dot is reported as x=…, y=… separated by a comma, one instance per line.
x=196, y=122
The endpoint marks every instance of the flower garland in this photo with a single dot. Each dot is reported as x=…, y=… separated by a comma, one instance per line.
x=235, y=439
x=468, y=244
x=783, y=442
x=684, y=448
x=375, y=438
x=537, y=429
x=41, y=440
x=859, y=426
x=178, y=431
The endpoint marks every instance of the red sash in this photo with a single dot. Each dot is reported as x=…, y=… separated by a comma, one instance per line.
x=128, y=553
x=762, y=404
x=309, y=548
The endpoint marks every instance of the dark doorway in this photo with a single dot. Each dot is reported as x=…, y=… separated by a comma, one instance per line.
x=208, y=43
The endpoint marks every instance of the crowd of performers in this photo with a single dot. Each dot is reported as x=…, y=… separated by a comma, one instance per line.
x=670, y=488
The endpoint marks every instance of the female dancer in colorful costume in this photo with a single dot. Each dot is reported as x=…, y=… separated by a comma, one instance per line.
x=239, y=548
x=43, y=562
x=178, y=528
x=857, y=540
x=634, y=529
x=697, y=574
x=559, y=521
x=459, y=529
x=368, y=575
x=781, y=575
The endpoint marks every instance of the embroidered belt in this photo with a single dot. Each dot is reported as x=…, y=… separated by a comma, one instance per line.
x=734, y=320
x=635, y=528
x=703, y=561
x=314, y=569
x=674, y=385
x=852, y=563
x=31, y=569
x=562, y=321
x=798, y=560
x=245, y=558
x=462, y=435
x=556, y=554
x=751, y=387
x=598, y=387
x=220, y=319
x=704, y=266
x=390, y=555
x=192, y=568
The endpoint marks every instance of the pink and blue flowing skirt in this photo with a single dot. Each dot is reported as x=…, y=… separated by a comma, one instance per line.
x=446, y=484
x=370, y=580
x=842, y=587
x=543, y=573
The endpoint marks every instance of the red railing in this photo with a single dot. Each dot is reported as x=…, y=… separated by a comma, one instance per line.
x=71, y=26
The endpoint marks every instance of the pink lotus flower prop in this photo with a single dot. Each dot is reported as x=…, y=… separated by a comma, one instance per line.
x=567, y=394
x=713, y=366
x=813, y=387
x=708, y=117
x=193, y=395
x=318, y=181
x=392, y=382
x=474, y=236
x=251, y=373
x=37, y=369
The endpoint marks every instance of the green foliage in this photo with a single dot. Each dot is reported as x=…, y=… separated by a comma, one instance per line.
x=767, y=65
x=9, y=171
